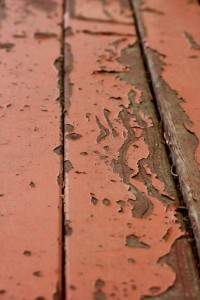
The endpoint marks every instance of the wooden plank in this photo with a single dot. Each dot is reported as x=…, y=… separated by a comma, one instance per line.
x=171, y=40
x=123, y=239
x=30, y=216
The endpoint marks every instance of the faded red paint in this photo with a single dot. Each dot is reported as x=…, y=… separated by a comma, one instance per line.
x=171, y=44
x=29, y=124
x=116, y=230
x=173, y=31
x=112, y=10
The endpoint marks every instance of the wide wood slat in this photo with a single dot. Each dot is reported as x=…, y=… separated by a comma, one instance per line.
x=123, y=238
x=30, y=203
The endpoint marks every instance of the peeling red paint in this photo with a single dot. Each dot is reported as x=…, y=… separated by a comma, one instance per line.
x=171, y=38
x=30, y=216
x=115, y=11
x=145, y=118
x=158, y=184
x=119, y=244
x=177, y=25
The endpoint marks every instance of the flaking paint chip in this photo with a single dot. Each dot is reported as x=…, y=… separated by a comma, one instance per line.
x=72, y=287
x=37, y=274
x=134, y=242
x=73, y=136
x=99, y=283
x=32, y=184
x=27, y=253
x=131, y=261
x=68, y=166
x=106, y=202
x=69, y=128
x=58, y=150
x=94, y=200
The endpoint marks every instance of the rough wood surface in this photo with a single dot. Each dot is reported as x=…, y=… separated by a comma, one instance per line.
x=170, y=35
x=123, y=239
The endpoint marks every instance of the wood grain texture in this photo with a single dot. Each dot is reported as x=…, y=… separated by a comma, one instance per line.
x=180, y=122
x=123, y=237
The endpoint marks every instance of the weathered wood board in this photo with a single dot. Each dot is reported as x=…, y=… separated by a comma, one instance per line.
x=30, y=212
x=171, y=40
x=123, y=238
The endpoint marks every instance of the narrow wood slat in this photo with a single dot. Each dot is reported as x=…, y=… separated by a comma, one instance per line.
x=123, y=239
x=171, y=40
x=30, y=214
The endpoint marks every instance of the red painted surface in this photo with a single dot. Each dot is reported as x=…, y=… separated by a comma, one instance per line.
x=118, y=227
x=29, y=128
x=170, y=32
x=116, y=231
x=173, y=31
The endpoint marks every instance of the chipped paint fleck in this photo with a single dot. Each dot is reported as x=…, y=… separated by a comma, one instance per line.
x=124, y=227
